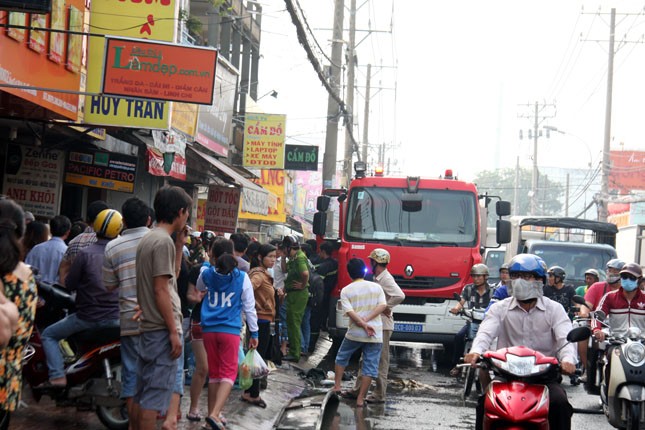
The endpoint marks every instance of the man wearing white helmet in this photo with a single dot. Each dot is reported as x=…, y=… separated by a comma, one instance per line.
x=379, y=259
x=599, y=289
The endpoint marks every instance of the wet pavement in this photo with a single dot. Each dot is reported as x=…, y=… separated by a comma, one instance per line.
x=417, y=398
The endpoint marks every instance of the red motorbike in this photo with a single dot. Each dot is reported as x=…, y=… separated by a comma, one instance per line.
x=518, y=398
x=92, y=363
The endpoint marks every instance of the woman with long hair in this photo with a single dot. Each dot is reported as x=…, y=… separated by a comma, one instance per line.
x=35, y=232
x=228, y=292
x=19, y=287
x=265, y=308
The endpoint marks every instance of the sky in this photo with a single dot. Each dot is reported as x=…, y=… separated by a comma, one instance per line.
x=461, y=78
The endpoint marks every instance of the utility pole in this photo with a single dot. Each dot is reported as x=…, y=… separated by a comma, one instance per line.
x=604, y=185
x=349, y=97
x=566, y=199
x=366, y=121
x=516, y=188
x=333, y=109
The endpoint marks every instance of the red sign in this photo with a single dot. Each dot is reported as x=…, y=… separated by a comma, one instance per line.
x=221, y=209
x=156, y=70
x=156, y=165
x=627, y=171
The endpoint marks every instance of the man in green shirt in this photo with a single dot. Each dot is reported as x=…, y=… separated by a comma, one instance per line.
x=296, y=287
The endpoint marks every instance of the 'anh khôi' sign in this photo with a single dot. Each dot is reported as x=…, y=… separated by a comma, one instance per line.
x=159, y=70
x=300, y=157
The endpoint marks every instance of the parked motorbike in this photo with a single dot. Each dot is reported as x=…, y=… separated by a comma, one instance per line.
x=518, y=395
x=92, y=363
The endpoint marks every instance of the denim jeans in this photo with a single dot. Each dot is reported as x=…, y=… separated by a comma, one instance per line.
x=305, y=329
x=64, y=329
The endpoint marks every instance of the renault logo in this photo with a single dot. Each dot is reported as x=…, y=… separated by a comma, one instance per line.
x=409, y=270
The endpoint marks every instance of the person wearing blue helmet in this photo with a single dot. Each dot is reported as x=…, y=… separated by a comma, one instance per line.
x=527, y=318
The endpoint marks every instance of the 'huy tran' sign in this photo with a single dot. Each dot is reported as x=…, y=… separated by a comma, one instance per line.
x=300, y=157
x=157, y=70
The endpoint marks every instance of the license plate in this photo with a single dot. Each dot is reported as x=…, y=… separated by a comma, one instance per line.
x=414, y=328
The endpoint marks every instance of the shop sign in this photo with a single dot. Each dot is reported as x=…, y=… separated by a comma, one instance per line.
x=627, y=172
x=136, y=19
x=107, y=170
x=222, y=205
x=274, y=182
x=160, y=71
x=33, y=177
x=158, y=164
x=264, y=140
x=37, y=6
x=184, y=118
x=300, y=157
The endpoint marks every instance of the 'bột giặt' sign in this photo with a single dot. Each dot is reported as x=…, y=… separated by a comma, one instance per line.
x=161, y=71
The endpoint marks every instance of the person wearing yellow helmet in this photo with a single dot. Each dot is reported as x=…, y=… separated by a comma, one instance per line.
x=96, y=307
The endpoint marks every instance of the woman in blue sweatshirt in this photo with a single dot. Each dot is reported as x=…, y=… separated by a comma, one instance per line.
x=229, y=292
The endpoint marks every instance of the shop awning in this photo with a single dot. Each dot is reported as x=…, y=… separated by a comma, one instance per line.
x=254, y=197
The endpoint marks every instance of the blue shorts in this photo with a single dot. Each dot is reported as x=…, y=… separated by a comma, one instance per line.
x=157, y=371
x=371, y=352
x=129, y=358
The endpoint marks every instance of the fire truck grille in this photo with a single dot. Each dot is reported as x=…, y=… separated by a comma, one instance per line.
x=424, y=282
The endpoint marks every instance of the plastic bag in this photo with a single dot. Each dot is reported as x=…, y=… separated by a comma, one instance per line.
x=245, y=378
x=260, y=368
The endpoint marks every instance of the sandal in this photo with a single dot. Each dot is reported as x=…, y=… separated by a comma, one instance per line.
x=352, y=395
x=222, y=419
x=374, y=400
x=214, y=424
x=194, y=416
x=257, y=402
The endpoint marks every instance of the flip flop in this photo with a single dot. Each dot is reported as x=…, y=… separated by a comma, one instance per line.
x=258, y=402
x=194, y=417
x=348, y=395
x=374, y=400
x=215, y=425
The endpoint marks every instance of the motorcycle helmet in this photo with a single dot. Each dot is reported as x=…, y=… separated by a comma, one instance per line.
x=615, y=263
x=632, y=269
x=108, y=224
x=380, y=255
x=528, y=263
x=593, y=272
x=479, y=269
x=503, y=267
x=290, y=241
x=558, y=272
x=207, y=237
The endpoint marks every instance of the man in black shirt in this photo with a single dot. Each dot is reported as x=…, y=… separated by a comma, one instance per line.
x=556, y=290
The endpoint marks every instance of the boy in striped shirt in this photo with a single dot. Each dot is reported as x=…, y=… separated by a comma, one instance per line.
x=363, y=302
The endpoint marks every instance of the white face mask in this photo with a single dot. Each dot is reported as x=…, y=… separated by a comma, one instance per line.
x=612, y=279
x=523, y=289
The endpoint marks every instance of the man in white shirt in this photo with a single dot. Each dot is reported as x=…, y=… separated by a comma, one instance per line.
x=363, y=302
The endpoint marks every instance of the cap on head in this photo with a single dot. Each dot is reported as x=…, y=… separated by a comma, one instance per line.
x=479, y=269
x=633, y=269
x=615, y=263
x=380, y=255
x=108, y=224
x=528, y=263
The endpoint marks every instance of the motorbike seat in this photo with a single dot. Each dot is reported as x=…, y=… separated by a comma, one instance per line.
x=97, y=336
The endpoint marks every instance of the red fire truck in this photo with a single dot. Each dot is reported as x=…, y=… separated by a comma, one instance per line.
x=434, y=230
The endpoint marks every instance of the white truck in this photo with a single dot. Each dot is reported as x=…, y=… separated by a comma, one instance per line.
x=630, y=245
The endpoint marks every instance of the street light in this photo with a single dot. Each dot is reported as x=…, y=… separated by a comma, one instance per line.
x=555, y=129
x=273, y=94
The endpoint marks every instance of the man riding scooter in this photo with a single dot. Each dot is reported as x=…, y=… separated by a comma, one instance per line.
x=527, y=318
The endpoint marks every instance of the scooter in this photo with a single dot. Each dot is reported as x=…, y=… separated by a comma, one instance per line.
x=518, y=396
x=92, y=363
x=621, y=375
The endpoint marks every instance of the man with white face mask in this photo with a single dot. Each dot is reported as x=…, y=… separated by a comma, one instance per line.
x=527, y=318
x=624, y=307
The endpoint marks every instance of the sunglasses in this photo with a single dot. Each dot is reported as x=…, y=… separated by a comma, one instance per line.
x=626, y=276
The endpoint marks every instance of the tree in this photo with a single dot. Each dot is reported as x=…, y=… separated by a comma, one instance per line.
x=501, y=182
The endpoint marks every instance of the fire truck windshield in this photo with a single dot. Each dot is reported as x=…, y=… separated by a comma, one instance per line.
x=445, y=217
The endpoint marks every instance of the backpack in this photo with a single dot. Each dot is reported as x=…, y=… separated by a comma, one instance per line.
x=316, y=287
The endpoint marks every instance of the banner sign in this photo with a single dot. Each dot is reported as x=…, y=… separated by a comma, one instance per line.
x=107, y=170
x=274, y=182
x=201, y=211
x=157, y=164
x=160, y=71
x=221, y=209
x=38, y=6
x=264, y=141
x=32, y=179
x=136, y=19
x=627, y=172
x=300, y=157
x=184, y=118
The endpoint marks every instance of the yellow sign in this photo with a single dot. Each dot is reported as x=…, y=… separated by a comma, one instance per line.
x=264, y=141
x=127, y=18
x=184, y=118
x=273, y=182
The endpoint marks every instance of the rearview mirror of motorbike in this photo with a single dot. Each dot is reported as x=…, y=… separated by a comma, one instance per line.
x=578, y=334
x=579, y=300
x=456, y=296
x=600, y=315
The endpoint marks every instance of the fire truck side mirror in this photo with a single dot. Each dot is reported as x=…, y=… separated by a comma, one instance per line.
x=320, y=223
x=502, y=208
x=503, y=231
x=322, y=203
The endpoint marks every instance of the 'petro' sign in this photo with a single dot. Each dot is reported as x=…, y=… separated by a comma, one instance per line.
x=300, y=157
